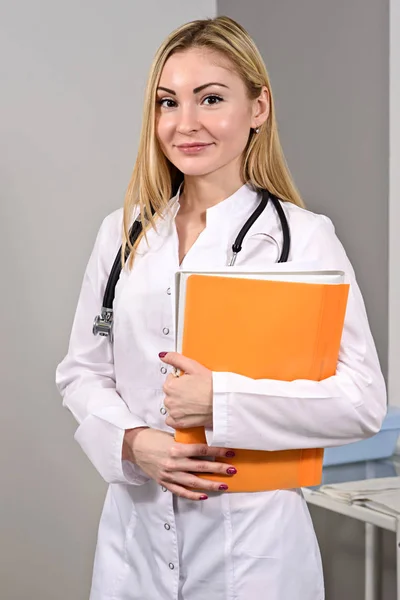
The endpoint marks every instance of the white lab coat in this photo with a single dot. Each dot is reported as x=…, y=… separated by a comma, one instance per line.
x=151, y=544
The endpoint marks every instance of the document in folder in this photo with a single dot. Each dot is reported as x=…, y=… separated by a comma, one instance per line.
x=277, y=325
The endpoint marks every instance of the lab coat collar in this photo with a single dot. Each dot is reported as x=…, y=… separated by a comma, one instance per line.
x=241, y=201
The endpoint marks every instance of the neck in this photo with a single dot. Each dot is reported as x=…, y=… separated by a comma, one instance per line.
x=201, y=193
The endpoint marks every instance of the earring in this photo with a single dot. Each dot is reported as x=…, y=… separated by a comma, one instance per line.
x=256, y=130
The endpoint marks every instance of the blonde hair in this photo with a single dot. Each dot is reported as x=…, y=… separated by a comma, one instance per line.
x=155, y=179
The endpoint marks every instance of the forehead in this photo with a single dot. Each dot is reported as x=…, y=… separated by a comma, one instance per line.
x=197, y=66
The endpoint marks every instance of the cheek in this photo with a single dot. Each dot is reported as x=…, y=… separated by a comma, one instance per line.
x=164, y=129
x=232, y=128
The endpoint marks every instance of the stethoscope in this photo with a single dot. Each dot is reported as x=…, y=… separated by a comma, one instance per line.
x=103, y=323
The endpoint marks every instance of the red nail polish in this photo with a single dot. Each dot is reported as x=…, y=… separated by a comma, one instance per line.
x=223, y=487
x=231, y=471
x=230, y=453
x=162, y=354
x=203, y=498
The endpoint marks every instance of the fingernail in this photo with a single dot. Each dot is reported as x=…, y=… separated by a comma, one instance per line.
x=231, y=471
x=230, y=454
x=203, y=498
x=223, y=487
x=162, y=354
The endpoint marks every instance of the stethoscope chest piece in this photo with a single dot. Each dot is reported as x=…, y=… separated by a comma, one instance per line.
x=103, y=324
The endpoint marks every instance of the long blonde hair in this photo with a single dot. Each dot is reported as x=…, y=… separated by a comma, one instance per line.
x=155, y=179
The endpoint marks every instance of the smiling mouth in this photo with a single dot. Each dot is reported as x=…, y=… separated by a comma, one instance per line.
x=193, y=145
x=192, y=148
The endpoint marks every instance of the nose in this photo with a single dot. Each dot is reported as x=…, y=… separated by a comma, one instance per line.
x=187, y=120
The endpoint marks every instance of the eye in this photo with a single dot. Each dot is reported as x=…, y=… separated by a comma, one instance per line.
x=163, y=100
x=210, y=100
x=214, y=99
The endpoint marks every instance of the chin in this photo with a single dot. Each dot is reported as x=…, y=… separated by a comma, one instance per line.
x=196, y=170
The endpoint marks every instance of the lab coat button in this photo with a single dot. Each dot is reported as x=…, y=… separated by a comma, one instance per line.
x=163, y=410
x=171, y=566
x=167, y=526
x=169, y=291
x=163, y=370
x=164, y=489
x=165, y=331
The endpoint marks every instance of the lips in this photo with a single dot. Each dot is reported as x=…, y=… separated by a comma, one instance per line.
x=195, y=145
x=193, y=149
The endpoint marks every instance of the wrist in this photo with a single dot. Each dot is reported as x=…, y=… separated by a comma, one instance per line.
x=129, y=443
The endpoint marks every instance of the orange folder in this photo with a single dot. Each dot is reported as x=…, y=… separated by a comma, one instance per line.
x=264, y=329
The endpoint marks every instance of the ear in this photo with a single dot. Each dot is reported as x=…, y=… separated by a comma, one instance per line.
x=261, y=108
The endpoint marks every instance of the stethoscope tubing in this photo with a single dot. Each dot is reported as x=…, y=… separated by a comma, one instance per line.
x=103, y=323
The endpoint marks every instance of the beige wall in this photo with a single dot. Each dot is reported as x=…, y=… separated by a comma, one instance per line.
x=72, y=77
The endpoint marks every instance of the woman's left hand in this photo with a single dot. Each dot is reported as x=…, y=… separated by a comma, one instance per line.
x=189, y=397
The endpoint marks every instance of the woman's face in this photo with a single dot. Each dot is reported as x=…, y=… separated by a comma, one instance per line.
x=204, y=116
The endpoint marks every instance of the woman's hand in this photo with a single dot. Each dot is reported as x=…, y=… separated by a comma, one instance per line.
x=189, y=397
x=172, y=465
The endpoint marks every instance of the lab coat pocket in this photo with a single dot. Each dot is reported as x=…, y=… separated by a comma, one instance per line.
x=126, y=511
x=274, y=546
x=254, y=524
x=117, y=527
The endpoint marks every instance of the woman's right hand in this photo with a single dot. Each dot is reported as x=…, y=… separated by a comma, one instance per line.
x=172, y=464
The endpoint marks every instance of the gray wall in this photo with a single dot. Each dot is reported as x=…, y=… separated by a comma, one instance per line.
x=329, y=69
x=72, y=76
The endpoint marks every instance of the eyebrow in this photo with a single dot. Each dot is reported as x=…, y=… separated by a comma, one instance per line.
x=196, y=90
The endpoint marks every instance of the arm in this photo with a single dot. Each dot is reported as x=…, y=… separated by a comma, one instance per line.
x=86, y=379
x=280, y=415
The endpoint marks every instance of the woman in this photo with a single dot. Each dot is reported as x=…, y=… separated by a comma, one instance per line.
x=209, y=140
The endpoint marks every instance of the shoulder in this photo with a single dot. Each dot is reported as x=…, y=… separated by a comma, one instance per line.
x=111, y=226
x=109, y=236
x=304, y=220
x=314, y=238
x=107, y=243
x=307, y=226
